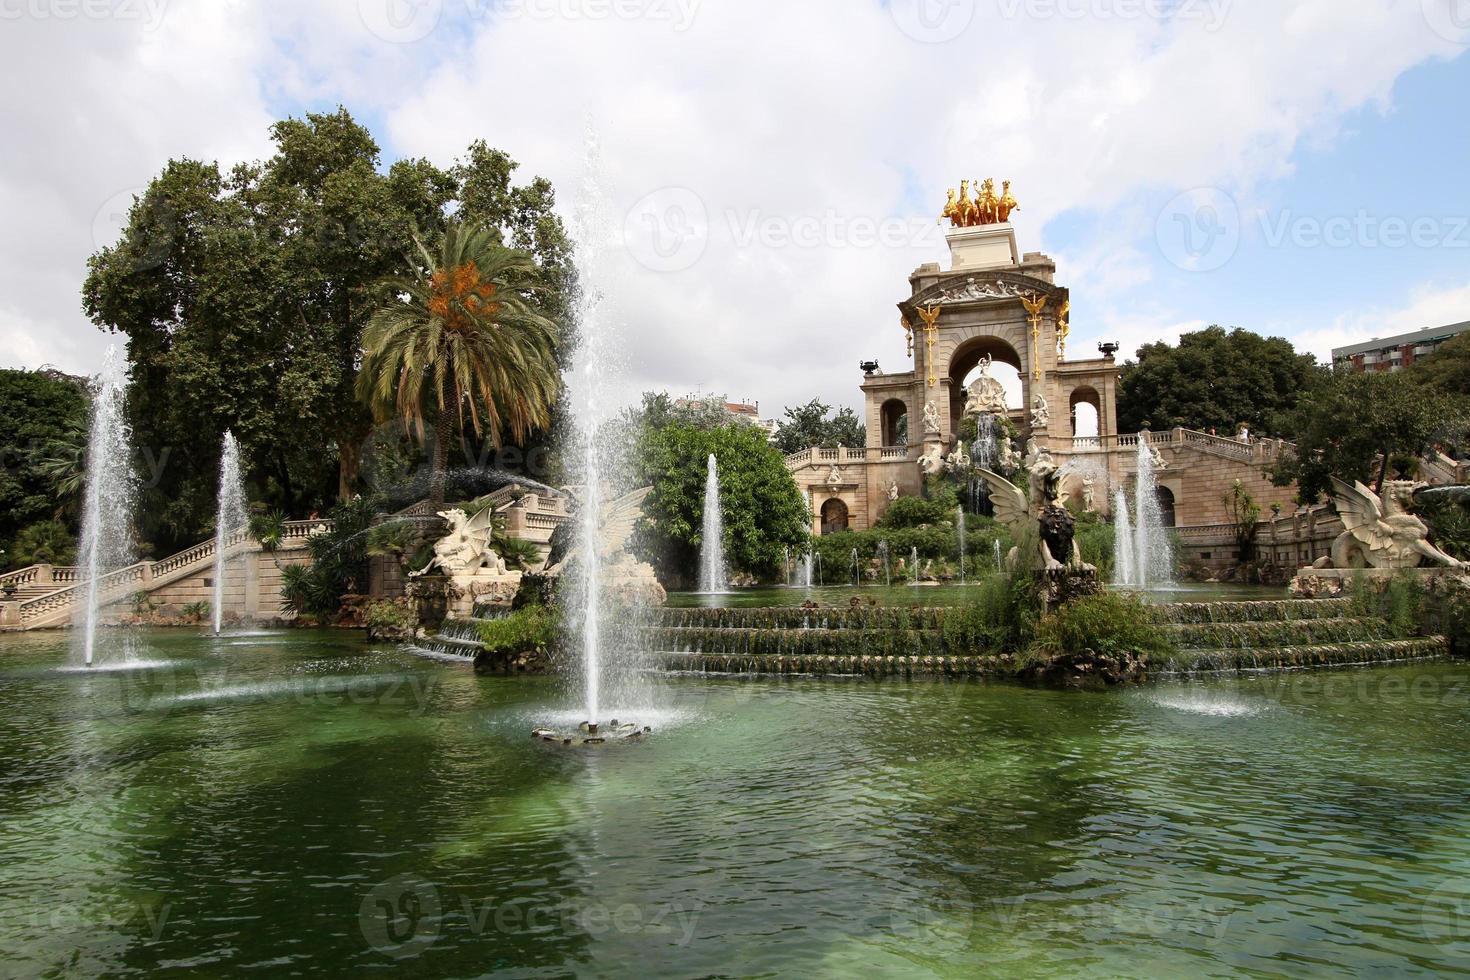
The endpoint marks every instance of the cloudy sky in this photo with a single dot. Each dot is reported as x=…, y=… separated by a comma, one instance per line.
x=772, y=169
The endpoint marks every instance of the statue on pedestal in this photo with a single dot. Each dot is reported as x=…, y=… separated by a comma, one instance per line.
x=987, y=396
x=1040, y=412
x=931, y=419
x=1089, y=497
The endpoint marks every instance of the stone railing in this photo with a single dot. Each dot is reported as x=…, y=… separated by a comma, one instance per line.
x=116, y=584
x=816, y=456
x=21, y=577
x=1261, y=450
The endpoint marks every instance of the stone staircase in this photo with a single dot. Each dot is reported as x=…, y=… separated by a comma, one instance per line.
x=47, y=595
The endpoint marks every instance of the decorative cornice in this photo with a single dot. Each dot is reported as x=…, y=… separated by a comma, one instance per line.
x=981, y=287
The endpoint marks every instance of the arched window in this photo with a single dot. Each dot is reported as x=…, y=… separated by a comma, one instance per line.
x=895, y=419
x=1086, y=411
x=1166, y=506
x=834, y=516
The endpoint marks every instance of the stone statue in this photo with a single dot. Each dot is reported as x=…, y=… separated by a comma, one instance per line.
x=625, y=578
x=1007, y=457
x=1157, y=458
x=1040, y=412
x=834, y=477
x=931, y=419
x=986, y=394
x=1089, y=495
x=932, y=462
x=1380, y=532
x=893, y=491
x=477, y=570
x=959, y=460
x=1057, y=547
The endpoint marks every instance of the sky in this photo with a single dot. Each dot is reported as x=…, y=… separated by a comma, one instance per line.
x=771, y=171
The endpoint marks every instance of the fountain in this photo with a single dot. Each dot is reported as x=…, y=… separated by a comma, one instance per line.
x=914, y=561
x=713, y=578
x=605, y=643
x=229, y=518
x=107, y=509
x=995, y=544
x=1143, y=556
x=856, y=576
x=960, y=532
x=887, y=567
x=802, y=571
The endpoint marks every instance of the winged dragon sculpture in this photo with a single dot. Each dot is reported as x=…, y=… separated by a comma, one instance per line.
x=1379, y=530
x=1043, y=515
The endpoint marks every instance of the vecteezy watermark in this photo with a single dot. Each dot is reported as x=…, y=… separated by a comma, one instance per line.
x=1205, y=923
x=407, y=21
x=1210, y=14
x=668, y=230
x=147, y=12
x=1199, y=230
x=1445, y=917
x=932, y=21
x=1363, y=229
x=1450, y=19
x=405, y=915
x=76, y=910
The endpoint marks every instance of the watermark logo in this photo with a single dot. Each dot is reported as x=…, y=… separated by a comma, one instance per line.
x=1199, y=230
x=400, y=21
x=1450, y=19
x=158, y=220
x=668, y=230
x=401, y=917
x=1445, y=917
x=149, y=13
x=1210, y=14
x=932, y=21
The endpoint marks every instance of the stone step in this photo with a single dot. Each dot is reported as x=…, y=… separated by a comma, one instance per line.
x=839, y=665
x=1317, y=655
x=796, y=618
x=1281, y=633
x=1257, y=611
x=797, y=642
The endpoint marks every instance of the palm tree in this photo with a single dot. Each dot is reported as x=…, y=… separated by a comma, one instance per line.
x=62, y=462
x=460, y=338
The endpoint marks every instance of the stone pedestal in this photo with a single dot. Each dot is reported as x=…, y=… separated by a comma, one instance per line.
x=983, y=247
x=1059, y=585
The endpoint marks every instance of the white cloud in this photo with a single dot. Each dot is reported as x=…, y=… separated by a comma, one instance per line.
x=816, y=115
x=1426, y=306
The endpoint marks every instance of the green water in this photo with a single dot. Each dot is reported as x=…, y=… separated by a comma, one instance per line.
x=948, y=594
x=305, y=803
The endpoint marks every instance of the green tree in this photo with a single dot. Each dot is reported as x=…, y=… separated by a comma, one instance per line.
x=48, y=542
x=813, y=424
x=1351, y=425
x=40, y=409
x=762, y=507
x=461, y=338
x=1448, y=368
x=1213, y=379
x=244, y=295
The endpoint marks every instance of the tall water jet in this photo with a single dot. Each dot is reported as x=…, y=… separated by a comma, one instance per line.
x=1143, y=556
x=887, y=567
x=914, y=560
x=229, y=518
x=856, y=577
x=1124, y=547
x=960, y=533
x=606, y=644
x=107, y=507
x=713, y=576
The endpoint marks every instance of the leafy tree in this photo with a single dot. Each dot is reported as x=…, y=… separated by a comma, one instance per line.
x=1351, y=425
x=914, y=512
x=45, y=542
x=62, y=462
x=1213, y=379
x=1448, y=368
x=461, y=338
x=813, y=424
x=243, y=297
x=38, y=409
x=763, y=509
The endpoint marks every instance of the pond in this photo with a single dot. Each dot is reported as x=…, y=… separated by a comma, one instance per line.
x=307, y=803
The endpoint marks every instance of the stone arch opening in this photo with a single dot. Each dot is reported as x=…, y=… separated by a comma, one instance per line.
x=1006, y=367
x=1166, y=506
x=1086, y=412
x=894, y=418
x=834, y=516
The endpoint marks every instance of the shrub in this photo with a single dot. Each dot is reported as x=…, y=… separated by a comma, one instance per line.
x=913, y=512
x=338, y=562
x=1001, y=617
x=1108, y=624
x=196, y=611
x=1449, y=526
x=532, y=628
x=43, y=543
x=269, y=528
x=389, y=617
x=1399, y=601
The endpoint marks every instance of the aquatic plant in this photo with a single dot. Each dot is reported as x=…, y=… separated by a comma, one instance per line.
x=1108, y=624
x=1002, y=616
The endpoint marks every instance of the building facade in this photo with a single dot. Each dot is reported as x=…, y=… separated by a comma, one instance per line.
x=1395, y=353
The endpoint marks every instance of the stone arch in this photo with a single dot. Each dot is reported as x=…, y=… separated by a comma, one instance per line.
x=834, y=516
x=1089, y=423
x=1167, y=505
x=964, y=359
x=894, y=421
